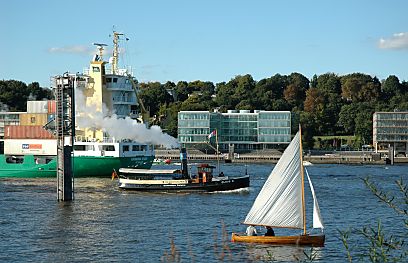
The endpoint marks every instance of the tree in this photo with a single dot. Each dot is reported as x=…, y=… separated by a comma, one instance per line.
x=360, y=87
x=38, y=93
x=268, y=90
x=347, y=117
x=182, y=90
x=14, y=94
x=390, y=87
x=295, y=92
x=153, y=94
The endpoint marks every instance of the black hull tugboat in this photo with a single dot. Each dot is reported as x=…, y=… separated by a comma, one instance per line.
x=178, y=180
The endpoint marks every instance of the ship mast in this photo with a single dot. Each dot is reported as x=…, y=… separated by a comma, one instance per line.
x=115, y=51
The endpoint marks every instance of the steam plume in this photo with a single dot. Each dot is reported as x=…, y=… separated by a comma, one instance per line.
x=127, y=128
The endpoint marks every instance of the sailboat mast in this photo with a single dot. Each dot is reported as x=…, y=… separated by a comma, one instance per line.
x=218, y=157
x=303, y=181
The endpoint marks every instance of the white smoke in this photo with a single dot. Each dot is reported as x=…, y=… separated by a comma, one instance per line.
x=119, y=128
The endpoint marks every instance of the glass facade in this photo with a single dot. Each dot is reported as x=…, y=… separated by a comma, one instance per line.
x=244, y=129
x=391, y=129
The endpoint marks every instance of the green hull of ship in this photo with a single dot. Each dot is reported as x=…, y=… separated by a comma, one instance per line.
x=84, y=166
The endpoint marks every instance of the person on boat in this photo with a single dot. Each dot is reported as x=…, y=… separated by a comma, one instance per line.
x=269, y=231
x=221, y=174
x=251, y=231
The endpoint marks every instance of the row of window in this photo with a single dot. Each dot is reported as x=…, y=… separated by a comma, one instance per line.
x=269, y=123
x=198, y=123
x=111, y=148
x=274, y=116
x=391, y=137
x=228, y=139
x=391, y=116
x=391, y=130
x=193, y=116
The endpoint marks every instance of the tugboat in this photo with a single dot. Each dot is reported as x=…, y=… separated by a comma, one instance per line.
x=146, y=180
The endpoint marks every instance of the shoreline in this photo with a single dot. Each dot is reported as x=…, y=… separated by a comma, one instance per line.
x=337, y=158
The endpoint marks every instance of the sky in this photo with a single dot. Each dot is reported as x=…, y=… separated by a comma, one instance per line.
x=212, y=40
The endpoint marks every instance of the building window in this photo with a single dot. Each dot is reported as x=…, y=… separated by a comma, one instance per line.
x=32, y=119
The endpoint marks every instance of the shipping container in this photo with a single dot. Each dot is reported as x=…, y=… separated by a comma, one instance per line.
x=26, y=132
x=33, y=119
x=37, y=106
x=52, y=108
x=30, y=146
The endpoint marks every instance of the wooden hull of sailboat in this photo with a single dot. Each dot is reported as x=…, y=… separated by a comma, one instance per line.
x=302, y=240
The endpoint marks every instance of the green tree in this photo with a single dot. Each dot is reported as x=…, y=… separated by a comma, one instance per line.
x=268, y=90
x=182, y=90
x=153, y=94
x=14, y=94
x=38, y=93
x=360, y=87
x=295, y=91
x=390, y=87
x=347, y=117
x=169, y=118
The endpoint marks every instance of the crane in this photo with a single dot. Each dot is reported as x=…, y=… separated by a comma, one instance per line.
x=145, y=114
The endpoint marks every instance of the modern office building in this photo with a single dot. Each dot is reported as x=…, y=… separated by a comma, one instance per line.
x=390, y=129
x=243, y=130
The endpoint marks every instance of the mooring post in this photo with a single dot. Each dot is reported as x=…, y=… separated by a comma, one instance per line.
x=65, y=132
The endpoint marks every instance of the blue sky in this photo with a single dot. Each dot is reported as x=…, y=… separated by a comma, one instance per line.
x=206, y=40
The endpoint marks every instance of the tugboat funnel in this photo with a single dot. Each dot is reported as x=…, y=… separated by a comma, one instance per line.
x=183, y=159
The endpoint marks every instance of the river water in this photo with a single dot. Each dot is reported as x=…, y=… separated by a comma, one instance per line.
x=105, y=224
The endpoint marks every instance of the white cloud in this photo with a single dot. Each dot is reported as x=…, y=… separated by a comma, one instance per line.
x=397, y=41
x=72, y=50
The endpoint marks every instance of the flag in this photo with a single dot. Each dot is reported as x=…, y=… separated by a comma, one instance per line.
x=212, y=134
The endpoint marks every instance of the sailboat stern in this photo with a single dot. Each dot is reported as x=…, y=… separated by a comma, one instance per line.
x=302, y=240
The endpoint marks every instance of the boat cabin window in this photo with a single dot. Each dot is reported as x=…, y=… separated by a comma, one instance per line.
x=96, y=69
x=83, y=147
x=115, y=80
x=125, y=148
x=108, y=148
x=135, y=148
x=14, y=159
x=108, y=80
x=144, y=147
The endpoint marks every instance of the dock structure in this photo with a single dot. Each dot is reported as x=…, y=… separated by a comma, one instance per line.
x=65, y=132
x=340, y=157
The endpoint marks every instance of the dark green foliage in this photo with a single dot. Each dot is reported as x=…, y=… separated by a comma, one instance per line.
x=327, y=105
x=15, y=94
x=153, y=94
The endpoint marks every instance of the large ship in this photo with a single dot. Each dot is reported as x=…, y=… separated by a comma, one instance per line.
x=103, y=92
x=32, y=158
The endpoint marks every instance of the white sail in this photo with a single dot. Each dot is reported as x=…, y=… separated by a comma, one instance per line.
x=317, y=218
x=279, y=203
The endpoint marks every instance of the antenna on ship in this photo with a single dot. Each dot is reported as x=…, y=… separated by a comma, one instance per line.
x=116, y=36
x=100, y=48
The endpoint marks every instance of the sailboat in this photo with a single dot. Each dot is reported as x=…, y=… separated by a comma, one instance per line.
x=281, y=203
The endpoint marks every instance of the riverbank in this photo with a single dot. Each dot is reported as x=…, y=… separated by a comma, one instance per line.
x=346, y=157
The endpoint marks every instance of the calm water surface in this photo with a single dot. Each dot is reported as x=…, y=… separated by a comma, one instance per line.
x=104, y=224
